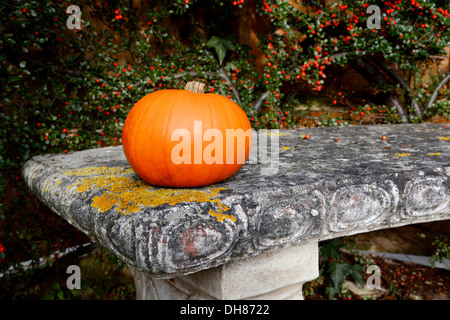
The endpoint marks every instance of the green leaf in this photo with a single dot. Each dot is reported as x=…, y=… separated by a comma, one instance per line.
x=356, y=273
x=221, y=46
x=60, y=295
x=338, y=272
x=49, y=296
x=331, y=249
x=332, y=291
x=229, y=66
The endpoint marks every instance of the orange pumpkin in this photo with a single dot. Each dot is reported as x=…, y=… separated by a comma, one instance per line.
x=186, y=138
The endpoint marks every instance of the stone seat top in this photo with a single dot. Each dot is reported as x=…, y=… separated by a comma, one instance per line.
x=340, y=181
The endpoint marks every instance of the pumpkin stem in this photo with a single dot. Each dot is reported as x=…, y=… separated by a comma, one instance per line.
x=195, y=87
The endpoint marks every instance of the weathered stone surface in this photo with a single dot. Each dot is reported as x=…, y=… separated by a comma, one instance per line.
x=321, y=188
x=275, y=275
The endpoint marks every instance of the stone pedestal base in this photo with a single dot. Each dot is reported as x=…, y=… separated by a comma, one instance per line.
x=275, y=275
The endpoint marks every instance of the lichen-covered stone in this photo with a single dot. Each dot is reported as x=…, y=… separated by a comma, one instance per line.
x=320, y=188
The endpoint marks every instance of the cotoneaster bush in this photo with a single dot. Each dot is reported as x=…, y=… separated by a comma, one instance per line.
x=312, y=41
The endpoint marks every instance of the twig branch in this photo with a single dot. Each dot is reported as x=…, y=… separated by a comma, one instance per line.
x=222, y=74
x=192, y=74
x=343, y=54
x=258, y=103
x=436, y=91
x=225, y=77
x=374, y=76
x=394, y=76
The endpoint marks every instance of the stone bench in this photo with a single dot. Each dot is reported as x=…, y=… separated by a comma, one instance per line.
x=256, y=234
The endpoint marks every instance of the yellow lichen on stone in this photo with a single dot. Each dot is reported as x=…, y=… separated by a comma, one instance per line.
x=397, y=155
x=434, y=154
x=221, y=216
x=285, y=148
x=47, y=184
x=129, y=195
x=444, y=138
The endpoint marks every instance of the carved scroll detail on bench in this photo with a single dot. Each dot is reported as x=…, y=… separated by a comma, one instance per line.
x=289, y=220
x=199, y=242
x=359, y=205
x=426, y=196
x=196, y=239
